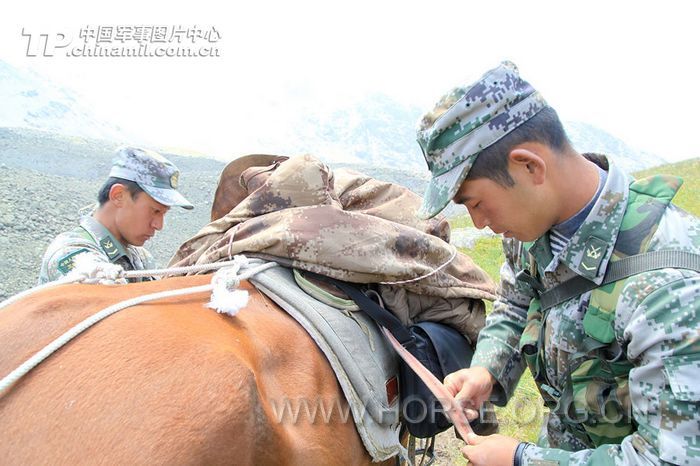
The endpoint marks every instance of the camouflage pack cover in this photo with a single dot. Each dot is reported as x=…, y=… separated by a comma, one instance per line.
x=345, y=225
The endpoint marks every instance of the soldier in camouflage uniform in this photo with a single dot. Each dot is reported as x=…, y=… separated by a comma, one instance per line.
x=142, y=186
x=617, y=364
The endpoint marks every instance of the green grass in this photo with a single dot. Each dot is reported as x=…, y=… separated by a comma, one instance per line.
x=688, y=197
x=463, y=221
x=522, y=417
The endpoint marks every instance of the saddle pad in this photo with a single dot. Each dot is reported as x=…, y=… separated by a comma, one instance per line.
x=363, y=361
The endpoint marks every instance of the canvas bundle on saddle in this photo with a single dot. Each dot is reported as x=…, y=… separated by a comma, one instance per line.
x=356, y=229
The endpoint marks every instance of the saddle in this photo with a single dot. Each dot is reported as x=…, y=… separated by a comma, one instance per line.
x=233, y=188
x=364, y=363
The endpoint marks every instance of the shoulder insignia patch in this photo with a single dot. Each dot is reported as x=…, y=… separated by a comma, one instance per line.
x=66, y=263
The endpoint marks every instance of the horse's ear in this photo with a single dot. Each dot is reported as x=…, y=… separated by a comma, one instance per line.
x=229, y=192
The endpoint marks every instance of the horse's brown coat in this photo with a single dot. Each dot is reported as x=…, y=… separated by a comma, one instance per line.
x=169, y=382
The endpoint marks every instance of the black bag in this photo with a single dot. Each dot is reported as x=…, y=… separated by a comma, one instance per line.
x=439, y=347
x=442, y=350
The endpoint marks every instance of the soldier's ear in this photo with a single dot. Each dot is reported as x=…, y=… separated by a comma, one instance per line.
x=528, y=162
x=117, y=193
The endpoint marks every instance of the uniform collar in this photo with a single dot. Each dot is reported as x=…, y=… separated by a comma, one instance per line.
x=589, y=250
x=112, y=248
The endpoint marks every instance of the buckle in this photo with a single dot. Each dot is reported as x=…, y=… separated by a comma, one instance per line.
x=524, y=276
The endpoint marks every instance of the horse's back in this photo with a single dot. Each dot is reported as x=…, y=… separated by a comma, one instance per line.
x=166, y=382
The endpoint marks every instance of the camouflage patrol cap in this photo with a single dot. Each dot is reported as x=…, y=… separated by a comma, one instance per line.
x=467, y=120
x=155, y=174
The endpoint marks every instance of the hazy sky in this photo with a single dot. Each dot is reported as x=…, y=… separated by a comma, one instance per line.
x=630, y=68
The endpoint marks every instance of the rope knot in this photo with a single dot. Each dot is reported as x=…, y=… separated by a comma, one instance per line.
x=226, y=298
x=89, y=269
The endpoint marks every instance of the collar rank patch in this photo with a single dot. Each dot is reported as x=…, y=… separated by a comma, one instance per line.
x=109, y=247
x=593, y=254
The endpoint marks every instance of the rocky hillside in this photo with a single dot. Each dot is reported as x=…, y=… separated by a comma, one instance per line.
x=46, y=179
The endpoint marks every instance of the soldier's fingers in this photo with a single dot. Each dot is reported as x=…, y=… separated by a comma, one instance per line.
x=471, y=454
x=466, y=397
x=452, y=384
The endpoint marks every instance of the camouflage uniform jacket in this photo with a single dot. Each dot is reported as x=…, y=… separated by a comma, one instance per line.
x=656, y=325
x=93, y=238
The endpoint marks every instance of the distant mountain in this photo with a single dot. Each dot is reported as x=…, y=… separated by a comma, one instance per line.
x=377, y=130
x=370, y=129
x=588, y=138
x=373, y=129
x=33, y=101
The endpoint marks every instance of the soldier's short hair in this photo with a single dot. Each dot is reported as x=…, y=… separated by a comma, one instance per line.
x=492, y=162
x=103, y=195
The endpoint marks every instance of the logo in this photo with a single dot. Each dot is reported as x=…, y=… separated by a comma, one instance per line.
x=124, y=41
x=109, y=248
x=174, y=179
x=594, y=252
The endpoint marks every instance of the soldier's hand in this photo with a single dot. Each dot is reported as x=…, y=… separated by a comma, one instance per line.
x=470, y=387
x=492, y=450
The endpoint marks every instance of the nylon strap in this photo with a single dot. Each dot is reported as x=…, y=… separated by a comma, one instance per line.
x=375, y=311
x=618, y=270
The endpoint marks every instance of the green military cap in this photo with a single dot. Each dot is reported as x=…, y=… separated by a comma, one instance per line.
x=155, y=174
x=467, y=120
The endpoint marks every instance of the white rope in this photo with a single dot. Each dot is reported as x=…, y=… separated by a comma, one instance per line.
x=226, y=298
x=401, y=282
x=230, y=241
x=55, y=345
x=186, y=269
x=128, y=274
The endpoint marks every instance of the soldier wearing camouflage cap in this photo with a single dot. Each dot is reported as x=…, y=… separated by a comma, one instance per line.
x=141, y=188
x=600, y=290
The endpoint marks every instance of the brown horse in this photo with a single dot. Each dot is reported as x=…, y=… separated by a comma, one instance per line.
x=167, y=382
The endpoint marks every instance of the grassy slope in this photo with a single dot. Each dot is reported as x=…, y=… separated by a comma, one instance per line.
x=688, y=198
x=522, y=416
